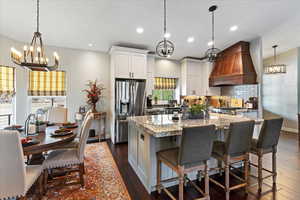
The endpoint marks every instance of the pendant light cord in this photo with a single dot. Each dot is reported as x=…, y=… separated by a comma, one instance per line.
x=165, y=17
x=38, y=16
x=213, y=29
x=275, y=59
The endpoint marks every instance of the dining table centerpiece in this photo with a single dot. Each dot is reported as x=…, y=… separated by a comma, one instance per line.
x=93, y=94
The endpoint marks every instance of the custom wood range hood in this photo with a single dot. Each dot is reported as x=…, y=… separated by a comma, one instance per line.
x=234, y=66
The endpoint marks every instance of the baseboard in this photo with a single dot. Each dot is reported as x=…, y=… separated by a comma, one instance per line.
x=292, y=130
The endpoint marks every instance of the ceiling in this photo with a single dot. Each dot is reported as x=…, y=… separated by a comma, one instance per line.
x=77, y=23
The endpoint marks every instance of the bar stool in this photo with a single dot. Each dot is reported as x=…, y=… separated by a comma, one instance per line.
x=192, y=155
x=235, y=149
x=267, y=143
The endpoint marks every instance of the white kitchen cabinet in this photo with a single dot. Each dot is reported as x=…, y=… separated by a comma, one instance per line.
x=129, y=63
x=139, y=66
x=195, y=78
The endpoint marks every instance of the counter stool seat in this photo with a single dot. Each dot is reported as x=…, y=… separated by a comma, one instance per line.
x=192, y=155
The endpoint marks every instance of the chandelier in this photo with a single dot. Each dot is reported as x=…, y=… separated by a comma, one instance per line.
x=33, y=56
x=212, y=53
x=165, y=48
x=275, y=68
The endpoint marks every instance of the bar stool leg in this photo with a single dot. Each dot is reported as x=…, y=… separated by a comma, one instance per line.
x=246, y=166
x=227, y=178
x=206, y=180
x=274, y=170
x=158, y=176
x=260, y=180
x=181, y=183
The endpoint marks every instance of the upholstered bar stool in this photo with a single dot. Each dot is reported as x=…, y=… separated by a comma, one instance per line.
x=267, y=143
x=235, y=149
x=192, y=155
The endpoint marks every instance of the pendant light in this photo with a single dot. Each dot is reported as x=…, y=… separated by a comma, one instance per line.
x=275, y=68
x=33, y=56
x=212, y=53
x=165, y=48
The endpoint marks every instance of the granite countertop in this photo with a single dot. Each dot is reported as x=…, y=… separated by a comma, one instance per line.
x=163, y=126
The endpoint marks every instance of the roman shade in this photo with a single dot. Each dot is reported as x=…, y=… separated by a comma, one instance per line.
x=47, y=83
x=165, y=83
x=7, y=80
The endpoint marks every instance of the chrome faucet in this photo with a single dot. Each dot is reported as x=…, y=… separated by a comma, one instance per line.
x=27, y=123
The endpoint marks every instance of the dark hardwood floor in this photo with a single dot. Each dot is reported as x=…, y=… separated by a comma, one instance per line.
x=288, y=181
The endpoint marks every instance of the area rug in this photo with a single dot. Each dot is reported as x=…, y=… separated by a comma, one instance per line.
x=103, y=180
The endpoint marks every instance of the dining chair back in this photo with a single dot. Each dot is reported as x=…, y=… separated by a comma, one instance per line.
x=84, y=136
x=12, y=167
x=57, y=115
x=239, y=138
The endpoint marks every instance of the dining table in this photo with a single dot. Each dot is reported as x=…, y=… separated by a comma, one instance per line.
x=46, y=142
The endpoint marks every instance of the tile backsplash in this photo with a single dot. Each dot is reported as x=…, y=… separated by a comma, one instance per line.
x=240, y=91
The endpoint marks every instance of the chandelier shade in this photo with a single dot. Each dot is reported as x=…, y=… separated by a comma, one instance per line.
x=212, y=53
x=33, y=56
x=165, y=48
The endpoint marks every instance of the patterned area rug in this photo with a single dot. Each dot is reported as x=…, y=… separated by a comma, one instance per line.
x=103, y=180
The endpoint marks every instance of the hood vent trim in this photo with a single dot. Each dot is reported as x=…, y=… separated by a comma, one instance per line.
x=234, y=66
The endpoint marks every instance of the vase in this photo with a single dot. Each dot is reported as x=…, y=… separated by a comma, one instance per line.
x=196, y=116
x=94, y=108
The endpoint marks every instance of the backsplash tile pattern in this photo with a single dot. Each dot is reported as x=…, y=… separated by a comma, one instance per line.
x=240, y=91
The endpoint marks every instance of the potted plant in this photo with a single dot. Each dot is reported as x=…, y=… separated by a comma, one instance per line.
x=197, y=111
x=94, y=92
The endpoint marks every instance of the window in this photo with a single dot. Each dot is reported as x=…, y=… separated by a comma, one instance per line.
x=164, y=89
x=46, y=103
x=7, y=92
x=46, y=89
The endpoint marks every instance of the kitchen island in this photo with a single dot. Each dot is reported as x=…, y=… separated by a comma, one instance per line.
x=149, y=134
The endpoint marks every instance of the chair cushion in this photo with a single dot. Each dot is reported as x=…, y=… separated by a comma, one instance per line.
x=170, y=155
x=32, y=174
x=61, y=158
x=218, y=149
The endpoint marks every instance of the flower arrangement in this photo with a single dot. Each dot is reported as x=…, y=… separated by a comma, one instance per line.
x=94, y=93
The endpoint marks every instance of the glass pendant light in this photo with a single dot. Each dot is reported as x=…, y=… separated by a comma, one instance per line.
x=275, y=68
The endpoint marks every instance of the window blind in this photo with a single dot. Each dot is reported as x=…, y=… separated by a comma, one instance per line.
x=47, y=83
x=165, y=83
x=7, y=80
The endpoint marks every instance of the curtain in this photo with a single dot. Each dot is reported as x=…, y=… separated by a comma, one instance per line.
x=7, y=80
x=165, y=83
x=47, y=83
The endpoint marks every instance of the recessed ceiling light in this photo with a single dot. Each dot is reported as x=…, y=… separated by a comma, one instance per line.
x=210, y=43
x=234, y=28
x=190, y=39
x=167, y=35
x=139, y=30
x=90, y=45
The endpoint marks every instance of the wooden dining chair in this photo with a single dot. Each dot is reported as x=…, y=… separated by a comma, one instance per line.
x=16, y=178
x=57, y=115
x=63, y=158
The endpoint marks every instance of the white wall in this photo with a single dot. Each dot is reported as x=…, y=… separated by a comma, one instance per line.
x=280, y=96
x=80, y=66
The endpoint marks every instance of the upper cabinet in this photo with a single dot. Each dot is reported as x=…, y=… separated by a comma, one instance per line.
x=195, y=78
x=128, y=63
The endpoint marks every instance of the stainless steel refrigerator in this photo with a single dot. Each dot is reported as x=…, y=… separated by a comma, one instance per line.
x=130, y=101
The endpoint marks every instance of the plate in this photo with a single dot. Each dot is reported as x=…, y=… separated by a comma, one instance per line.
x=59, y=134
